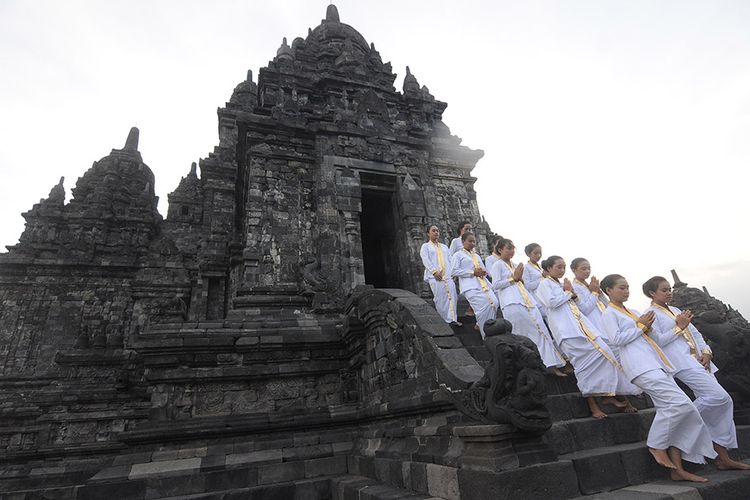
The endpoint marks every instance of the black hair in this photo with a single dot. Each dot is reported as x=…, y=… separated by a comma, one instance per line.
x=609, y=281
x=493, y=242
x=466, y=235
x=461, y=226
x=577, y=262
x=652, y=284
x=429, y=226
x=530, y=248
x=550, y=261
x=503, y=242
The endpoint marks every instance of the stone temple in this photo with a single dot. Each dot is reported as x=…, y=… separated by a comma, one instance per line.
x=270, y=338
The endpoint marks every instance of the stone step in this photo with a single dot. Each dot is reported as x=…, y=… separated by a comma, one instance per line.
x=615, y=467
x=721, y=485
x=580, y=434
x=364, y=488
x=572, y=405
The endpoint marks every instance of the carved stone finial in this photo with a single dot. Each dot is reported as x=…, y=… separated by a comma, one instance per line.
x=705, y=290
x=411, y=85
x=676, y=279
x=249, y=75
x=285, y=51
x=131, y=144
x=193, y=169
x=332, y=14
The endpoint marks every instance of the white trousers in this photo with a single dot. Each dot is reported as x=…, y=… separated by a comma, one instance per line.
x=484, y=305
x=713, y=403
x=677, y=422
x=595, y=374
x=529, y=323
x=445, y=298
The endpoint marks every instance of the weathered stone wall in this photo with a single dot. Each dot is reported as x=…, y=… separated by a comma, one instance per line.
x=46, y=311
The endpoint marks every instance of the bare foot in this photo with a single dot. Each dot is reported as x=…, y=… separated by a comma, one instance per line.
x=630, y=408
x=476, y=327
x=683, y=475
x=470, y=312
x=598, y=414
x=729, y=464
x=662, y=458
x=568, y=368
x=556, y=371
x=614, y=402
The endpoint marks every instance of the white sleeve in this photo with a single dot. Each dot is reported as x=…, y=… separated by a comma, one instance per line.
x=424, y=252
x=619, y=332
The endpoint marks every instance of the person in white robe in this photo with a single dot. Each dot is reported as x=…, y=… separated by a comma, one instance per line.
x=591, y=301
x=438, y=274
x=472, y=281
x=677, y=431
x=533, y=273
x=489, y=262
x=597, y=370
x=691, y=357
x=520, y=308
x=457, y=243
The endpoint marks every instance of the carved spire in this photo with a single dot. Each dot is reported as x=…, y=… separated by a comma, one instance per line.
x=411, y=85
x=131, y=144
x=193, y=170
x=332, y=14
x=676, y=279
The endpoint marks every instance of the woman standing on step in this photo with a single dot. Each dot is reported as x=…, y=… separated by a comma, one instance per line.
x=438, y=275
x=520, y=308
x=598, y=372
x=472, y=280
x=591, y=301
x=678, y=430
x=489, y=262
x=691, y=357
x=533, y=272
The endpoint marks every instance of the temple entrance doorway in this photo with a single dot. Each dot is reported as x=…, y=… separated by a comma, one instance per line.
x=378, y=226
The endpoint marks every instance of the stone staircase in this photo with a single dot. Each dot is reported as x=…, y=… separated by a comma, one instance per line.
x=345, y=452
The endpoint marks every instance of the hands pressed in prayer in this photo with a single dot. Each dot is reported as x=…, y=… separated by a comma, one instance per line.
x=647, y=318
x=683, y=319
x=594, y=285
x=518, y=273
x=567, y=285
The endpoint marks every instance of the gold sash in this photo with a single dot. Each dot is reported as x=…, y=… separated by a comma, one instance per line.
x=590, y=335
x=440, y=256
x=482, y=281
x=686, y=333
x=640, y=325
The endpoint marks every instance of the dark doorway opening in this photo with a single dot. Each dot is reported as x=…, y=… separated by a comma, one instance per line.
x=379, y=236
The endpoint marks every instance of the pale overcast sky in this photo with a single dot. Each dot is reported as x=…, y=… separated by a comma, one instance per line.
x=615, y=130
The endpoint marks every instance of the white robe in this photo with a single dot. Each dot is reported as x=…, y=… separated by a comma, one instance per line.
x=480, y=295
x=677, y=422
x=532, y=276
x=712, y=401
x=520, y=308
x=489, y=262
x=597, y=370
x=443, y=291
x=591, y=304
x=456, y=245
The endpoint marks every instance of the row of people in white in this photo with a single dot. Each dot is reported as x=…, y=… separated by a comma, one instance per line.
x=606, y=344
x=657, y=347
